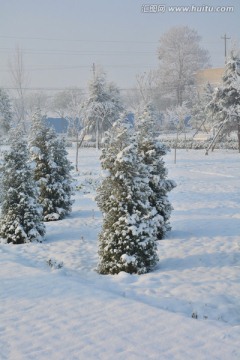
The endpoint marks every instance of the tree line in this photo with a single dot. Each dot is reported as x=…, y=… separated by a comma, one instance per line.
x=171, y=88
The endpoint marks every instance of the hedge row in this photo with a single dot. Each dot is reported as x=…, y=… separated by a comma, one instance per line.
x=230, y=144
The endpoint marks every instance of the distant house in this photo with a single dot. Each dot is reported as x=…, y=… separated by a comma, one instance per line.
x=60, y=125
x=212, y=76
x=187, y=121
x=130, y=117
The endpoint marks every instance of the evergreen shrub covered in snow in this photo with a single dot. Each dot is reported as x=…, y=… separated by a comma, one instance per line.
x=152, y=152
x=21, y=218
x=51, y=171
x=127, y=241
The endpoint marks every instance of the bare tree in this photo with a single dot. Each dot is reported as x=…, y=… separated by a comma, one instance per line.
x=131, y=99
x=177, y=116
x=149, y=88
x=201, y=120
x=67, y=101
x=34, y=101
x=147, y=85
x=180, y=58
x=20, y=80
x=68, y=104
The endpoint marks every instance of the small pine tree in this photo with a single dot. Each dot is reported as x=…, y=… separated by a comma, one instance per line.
x=127, y=240
x=152, y=152
x=63, y=177
x=21, y=218
x=52, y=170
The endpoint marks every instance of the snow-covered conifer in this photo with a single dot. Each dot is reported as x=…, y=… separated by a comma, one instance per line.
x=225, y=105
x=152, y=151
x=5, y=112
x=52, y=170
x=63, y=177
x=21, y=218
x=127, y=240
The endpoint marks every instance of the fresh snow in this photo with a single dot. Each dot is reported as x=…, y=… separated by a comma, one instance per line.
x=53, y=304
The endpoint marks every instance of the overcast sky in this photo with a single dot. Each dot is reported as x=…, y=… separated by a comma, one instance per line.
x=61, y=39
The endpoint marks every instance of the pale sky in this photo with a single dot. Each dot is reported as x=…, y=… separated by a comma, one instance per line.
x=61, y=39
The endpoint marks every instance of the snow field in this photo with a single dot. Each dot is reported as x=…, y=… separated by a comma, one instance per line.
x=55, y=306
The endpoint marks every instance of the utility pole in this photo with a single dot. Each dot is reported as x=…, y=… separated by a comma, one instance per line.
x=225, y=38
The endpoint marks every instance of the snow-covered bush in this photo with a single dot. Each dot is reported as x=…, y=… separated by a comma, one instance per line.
x=21, y=218
x=51, y=171
x=54, y=264
x=127, y=241
x=89, y=184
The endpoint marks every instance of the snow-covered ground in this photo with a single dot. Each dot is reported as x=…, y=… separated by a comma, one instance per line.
x=53, y=304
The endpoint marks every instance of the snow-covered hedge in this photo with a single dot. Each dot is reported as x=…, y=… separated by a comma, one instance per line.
x=189, y=143
x=89, y=144
x=230, y=144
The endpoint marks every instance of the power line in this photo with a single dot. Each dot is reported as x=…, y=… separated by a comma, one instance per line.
x=168, y=88
x=76, y=52
x=80, y=52
x=133, y=66
x=77, y=40
x=212, y=41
